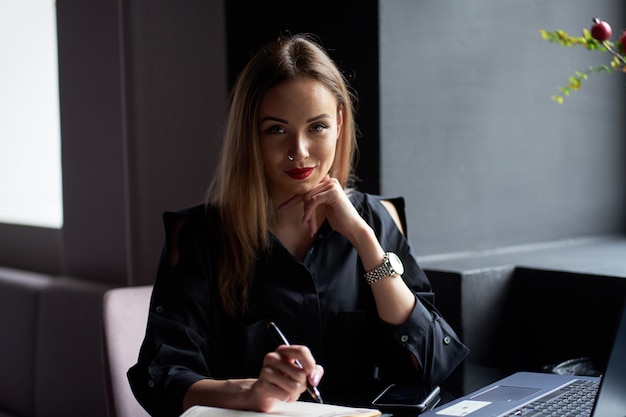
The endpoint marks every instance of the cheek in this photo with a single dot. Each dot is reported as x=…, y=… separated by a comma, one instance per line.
x=271, y=158
x=267, y=151
x=327, y=153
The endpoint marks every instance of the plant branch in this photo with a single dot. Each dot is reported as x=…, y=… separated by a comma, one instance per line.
x=612, y=51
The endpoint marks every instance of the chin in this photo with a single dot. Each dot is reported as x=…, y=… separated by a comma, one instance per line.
x=300, y=188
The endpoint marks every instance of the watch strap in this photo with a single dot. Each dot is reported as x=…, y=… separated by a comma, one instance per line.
x=380, y=272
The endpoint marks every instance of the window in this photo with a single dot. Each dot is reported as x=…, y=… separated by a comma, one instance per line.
x=30, y=144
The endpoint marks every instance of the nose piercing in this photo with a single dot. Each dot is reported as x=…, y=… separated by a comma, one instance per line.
x=289, y=157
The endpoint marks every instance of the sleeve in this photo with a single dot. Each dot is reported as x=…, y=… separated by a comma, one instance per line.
x=171, y=357
x=426, y=334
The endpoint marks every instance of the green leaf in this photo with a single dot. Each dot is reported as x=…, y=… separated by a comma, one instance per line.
x=582, y=75
x=558, y=99
x=574, y=83
x=587, y=34
x=587, y=41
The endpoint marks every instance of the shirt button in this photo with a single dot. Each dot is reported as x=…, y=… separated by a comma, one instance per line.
x=446, y=340
x=404, y=338
x=151, y=384
x=159, y=309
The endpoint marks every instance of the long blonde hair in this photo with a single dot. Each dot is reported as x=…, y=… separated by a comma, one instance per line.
x=239, y=189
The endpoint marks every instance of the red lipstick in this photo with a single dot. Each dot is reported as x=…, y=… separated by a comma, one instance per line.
x=299, y=173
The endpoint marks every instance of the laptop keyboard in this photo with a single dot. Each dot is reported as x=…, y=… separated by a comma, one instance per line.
x=573, y=400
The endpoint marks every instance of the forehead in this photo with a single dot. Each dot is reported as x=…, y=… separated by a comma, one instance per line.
x=297, y=96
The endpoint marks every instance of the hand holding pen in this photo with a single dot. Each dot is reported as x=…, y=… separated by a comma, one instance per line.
x=282, y=340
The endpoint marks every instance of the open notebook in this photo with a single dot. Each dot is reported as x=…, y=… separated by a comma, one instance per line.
x=293, y=409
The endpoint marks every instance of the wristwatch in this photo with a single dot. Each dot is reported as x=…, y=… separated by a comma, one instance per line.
x=392, y=265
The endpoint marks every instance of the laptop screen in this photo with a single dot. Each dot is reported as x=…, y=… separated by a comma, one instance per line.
x=611, y=401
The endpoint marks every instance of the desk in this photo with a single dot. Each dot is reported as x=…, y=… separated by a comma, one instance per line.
x=466, y=379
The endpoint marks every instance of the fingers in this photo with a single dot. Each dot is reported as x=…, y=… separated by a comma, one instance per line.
x=298, y=358
x=286, y=371
x=274, y=382
x=310, y=196
x=325, y=193
x=322, y=194
x=330, y=195
x=316, y=376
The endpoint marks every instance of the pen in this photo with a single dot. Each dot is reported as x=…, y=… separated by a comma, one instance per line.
x=281, y=339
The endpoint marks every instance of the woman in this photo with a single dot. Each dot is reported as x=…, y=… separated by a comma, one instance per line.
x=284, y=239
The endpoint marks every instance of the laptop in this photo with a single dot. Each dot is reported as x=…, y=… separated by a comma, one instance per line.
x=527, y=394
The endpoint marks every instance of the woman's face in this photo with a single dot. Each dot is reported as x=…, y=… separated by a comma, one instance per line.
x=299, y=120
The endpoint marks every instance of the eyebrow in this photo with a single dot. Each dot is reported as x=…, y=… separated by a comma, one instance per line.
x=277, y=119
x=321, y=116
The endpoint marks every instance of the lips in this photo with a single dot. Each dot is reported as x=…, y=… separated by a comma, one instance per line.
x=299, y=173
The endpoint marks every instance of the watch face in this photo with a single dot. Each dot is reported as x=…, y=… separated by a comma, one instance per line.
x=396, y=264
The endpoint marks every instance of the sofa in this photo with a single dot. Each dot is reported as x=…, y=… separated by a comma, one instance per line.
x=51, y=350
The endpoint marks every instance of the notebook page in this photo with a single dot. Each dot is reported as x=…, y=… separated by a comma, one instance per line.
x=293, y=409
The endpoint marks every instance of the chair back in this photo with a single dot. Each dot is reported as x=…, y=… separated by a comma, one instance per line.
x=125, y=314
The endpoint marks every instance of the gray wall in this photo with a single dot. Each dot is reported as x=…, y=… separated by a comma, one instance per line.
x=471, y=138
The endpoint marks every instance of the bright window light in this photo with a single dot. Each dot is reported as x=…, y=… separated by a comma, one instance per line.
x=30, y=145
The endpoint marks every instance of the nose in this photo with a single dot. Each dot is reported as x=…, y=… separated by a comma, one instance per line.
x=299, y=148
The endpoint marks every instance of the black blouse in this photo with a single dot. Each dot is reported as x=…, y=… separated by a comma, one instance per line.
x=323, y=302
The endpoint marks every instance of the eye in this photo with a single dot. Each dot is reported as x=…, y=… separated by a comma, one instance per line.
x=275, y=129
x=319, y=127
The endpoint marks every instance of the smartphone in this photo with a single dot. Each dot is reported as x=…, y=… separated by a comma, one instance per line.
x=402, y=398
